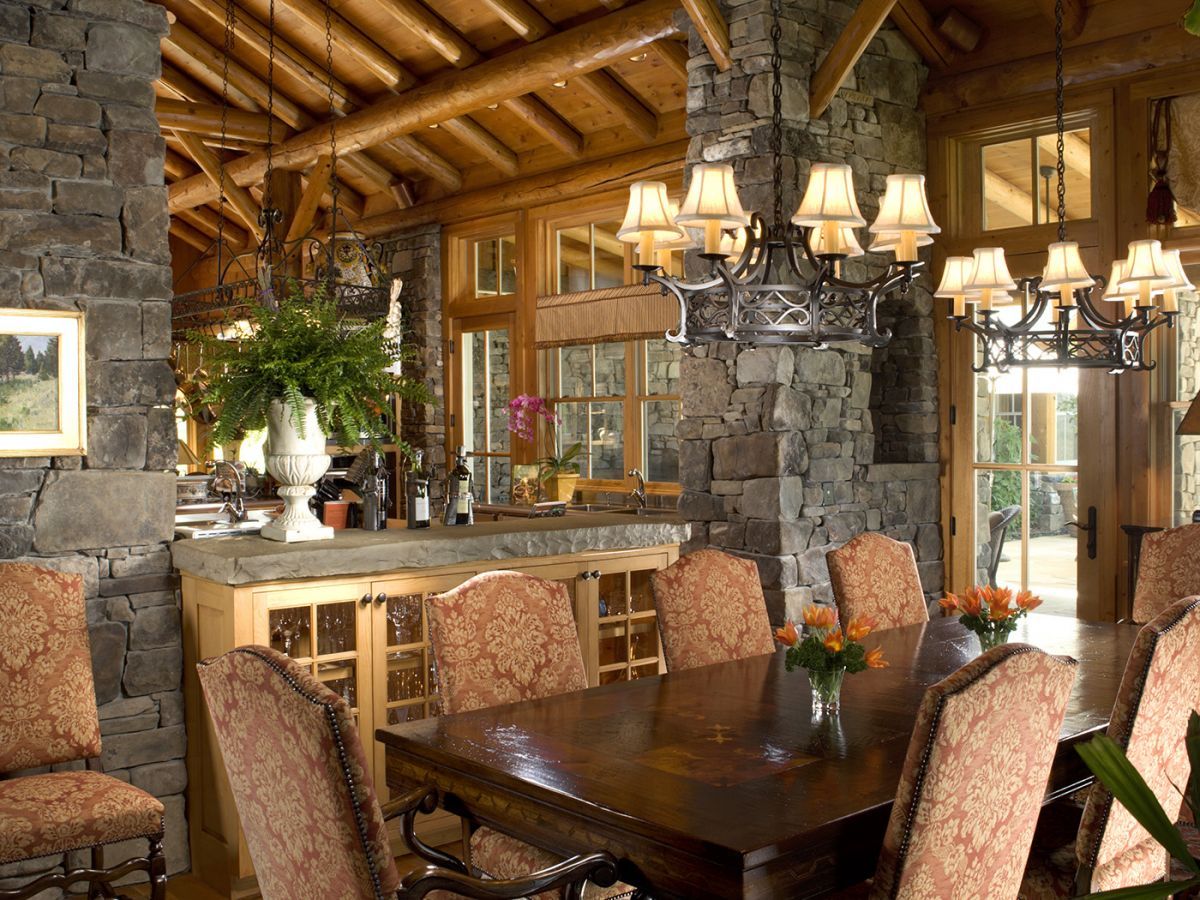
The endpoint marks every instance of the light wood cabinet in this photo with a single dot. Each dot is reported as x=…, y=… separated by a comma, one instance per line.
x=367, y=639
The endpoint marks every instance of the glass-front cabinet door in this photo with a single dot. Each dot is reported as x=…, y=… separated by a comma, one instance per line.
x=615, y=595
x=326, y=629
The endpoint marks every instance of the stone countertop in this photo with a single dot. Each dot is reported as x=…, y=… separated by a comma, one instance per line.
x=251, y=559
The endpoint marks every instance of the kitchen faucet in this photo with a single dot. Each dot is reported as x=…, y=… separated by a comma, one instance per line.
x=229, y=481
x=639, y=492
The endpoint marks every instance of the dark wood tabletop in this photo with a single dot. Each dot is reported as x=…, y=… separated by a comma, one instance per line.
x=719, y=781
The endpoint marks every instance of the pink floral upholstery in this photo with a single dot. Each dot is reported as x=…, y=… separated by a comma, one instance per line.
x=298, y=773
x=711, y=610
x=47, y=698
x=502, y=637
x=498, y=855
x=974, y=778
x=874, y=576
x=42, y=815
x=1169, y=570
x=1157, y=694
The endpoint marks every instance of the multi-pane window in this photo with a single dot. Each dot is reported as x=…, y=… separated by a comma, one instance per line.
x=486, y=372
x=1020, y=180
x=589, y=256
x=494, y=266
x=620, y=402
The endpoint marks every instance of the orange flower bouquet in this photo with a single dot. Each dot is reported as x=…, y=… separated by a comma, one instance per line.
x=828, y=652
x=990, y=612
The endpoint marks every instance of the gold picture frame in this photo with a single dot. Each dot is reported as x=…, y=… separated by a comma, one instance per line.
x=43, y=383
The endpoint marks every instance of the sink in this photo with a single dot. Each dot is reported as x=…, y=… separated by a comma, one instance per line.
x=651, y=511
x=597, y=507
x=205, y=517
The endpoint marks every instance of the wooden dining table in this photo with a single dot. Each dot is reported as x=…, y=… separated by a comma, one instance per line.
x=720, y=781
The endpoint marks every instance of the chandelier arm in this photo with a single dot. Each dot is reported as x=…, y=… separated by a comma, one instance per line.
x=1092, y=314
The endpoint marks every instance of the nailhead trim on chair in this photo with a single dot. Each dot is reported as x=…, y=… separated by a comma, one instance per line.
x=359, y=817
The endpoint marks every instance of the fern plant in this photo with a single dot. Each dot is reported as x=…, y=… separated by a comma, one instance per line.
x=305, y=349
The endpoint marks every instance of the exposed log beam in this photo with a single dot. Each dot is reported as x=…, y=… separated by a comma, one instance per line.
x=544, y=120
x=190, y=235
x=303, y=69
x=483, y=142
x=1082, y=63
x=175, y=166
x=917, y=25
x=586, y=177
x=239, y=198
x=845, y=52
x=1010, y=197
x=201, y=118
x=608, y=91
x=207, y=220
x=184, y=87
x=581, y=49
x=1074, y=15
x=960, y=30
x=310, y=200
x=434, y=30
x=674, y=55
x=713, y=30
x=370, y=55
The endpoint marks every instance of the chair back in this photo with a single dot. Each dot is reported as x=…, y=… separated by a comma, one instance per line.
x=1168, y=570
x=710, y=610
x=998, y=523
x=47, y=696
x=503, y=637
x=974, y=778
x=1158, y=691
x=299, y=778
x=874, y=576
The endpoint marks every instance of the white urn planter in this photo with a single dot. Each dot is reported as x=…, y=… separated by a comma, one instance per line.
x=297, y=463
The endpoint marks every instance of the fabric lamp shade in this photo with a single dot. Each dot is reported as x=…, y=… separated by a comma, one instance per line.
x=846, y=242
x=953, y=285
x=888, y=241
x=1179, y=281
x=1113, y=290
x=1146, y=269
x=989, y=276
x=829, y=197
x=712, y=201
x=648, y=219
x=904, y=211
x=687, y=239
x=1065, y=270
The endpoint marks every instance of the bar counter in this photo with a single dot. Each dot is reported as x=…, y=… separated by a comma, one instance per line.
x=251, y=559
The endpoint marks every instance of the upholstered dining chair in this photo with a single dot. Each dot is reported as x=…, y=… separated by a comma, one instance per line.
x=308, y=807
x=1149, y=720
x=1168, y=569
x=48, y=716
x=974, y=778
x=503, y=637
x=875, y=576
x=710, y=610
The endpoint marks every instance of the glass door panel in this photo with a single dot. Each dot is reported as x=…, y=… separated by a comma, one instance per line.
x=485, y=378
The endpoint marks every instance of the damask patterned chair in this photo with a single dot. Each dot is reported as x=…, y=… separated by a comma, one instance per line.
x=48, y=716
x=974, y=778
x=308, y=808
x=1157, y=694
x=711, y=610
x=874, y=576
x=504, y=637
x=1168, y=570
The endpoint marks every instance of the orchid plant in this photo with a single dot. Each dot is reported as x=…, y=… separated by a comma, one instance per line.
x=828, y=653
x=524, y=413
x=990, y=612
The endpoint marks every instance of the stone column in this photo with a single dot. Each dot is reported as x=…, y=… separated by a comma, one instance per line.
x=778, y=444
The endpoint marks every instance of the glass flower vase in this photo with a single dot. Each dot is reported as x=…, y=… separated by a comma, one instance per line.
x=826, y=690
x=990, y=639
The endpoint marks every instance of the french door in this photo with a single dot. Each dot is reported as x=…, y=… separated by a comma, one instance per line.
x=482, y=377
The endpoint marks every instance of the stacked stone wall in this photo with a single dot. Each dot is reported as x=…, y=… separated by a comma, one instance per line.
x=786, y=453
x=83, y=226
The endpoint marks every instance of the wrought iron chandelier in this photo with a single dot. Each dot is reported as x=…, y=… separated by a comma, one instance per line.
x=1143, y=288
x=778, y=282
x=342, y=265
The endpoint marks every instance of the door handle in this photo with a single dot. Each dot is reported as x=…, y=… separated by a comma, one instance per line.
x=1090, y=528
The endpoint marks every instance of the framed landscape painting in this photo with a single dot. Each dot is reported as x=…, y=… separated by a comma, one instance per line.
x=43, y=407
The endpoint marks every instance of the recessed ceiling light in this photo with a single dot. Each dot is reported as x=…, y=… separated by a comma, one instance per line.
x=641, y=57
x=560, y=84
x=493, y=106
x=434, y=125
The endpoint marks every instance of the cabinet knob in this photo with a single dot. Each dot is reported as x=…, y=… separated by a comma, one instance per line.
x=586, y=576
x=596, y=573
x=380, y=598
x=364, y=600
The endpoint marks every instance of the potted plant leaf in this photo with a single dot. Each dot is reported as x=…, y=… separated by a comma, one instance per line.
x=305, y=373
x=557, y=471
x=1109, y=764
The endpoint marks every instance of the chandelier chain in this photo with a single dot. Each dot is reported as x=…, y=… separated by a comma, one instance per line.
x=333, y=154
x=777, y=115
x=230, y=24
x=1060, y=120
x=268, y=193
